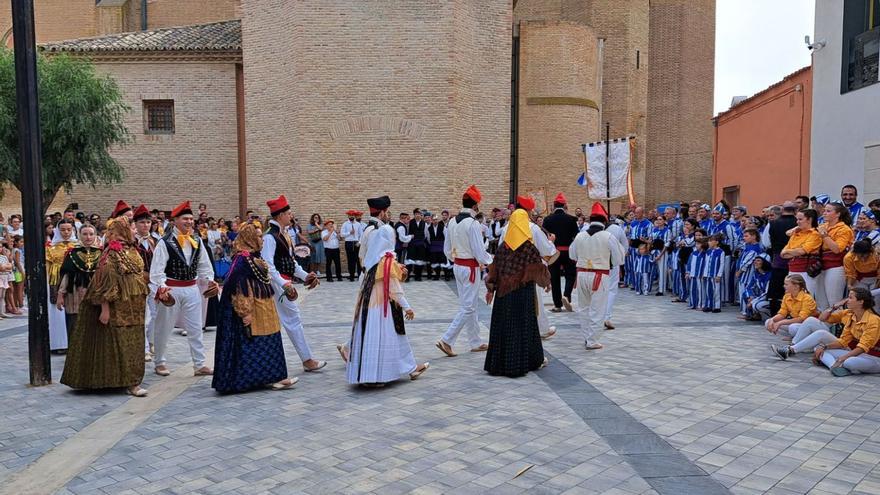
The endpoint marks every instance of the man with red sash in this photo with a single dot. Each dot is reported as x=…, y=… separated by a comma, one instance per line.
x=464, y=246
x=278, y=253
x=179, y=259
x=565, y=228
x=595, y=251
x=146, y=244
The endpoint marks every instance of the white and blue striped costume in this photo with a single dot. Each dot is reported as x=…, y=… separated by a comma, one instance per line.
x=695, y=264
x=679, y=284
x=661, y=257
x=637, y=230
x=746, y=267
x=757, y=292
x=728, y=232
x=712, y=269
x=873, y=235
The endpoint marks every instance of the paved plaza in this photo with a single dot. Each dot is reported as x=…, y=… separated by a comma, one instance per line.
x=677, y=402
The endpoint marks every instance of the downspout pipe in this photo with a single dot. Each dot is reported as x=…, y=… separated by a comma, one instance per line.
x=143, y=15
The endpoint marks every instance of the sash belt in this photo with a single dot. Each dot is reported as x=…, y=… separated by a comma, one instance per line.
x=170, y=282
x=470, y=263
x=597, y=280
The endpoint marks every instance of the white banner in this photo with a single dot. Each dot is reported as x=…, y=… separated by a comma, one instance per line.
x=619, y=161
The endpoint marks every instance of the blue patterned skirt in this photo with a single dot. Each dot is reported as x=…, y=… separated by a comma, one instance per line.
x=243, y=363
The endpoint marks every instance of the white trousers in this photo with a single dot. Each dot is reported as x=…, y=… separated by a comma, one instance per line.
x=866, y=283
x=466, y=319
x=543, y=321
x=288, y=312
x=863, y=363
x=662, y=276
x=592, y=305
x=150, y=320
x=800, y=331
x=613, y=280
x=830, y=287
x=187, y=307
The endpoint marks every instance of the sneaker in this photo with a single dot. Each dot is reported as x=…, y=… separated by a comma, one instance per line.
x=781, y=352
x=840, y=371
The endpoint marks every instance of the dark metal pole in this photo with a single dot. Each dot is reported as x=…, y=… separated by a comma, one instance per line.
x=143, y=15
x=30, y=155
x=608, y=167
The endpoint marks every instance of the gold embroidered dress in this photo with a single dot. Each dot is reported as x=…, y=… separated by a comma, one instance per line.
x=111, y=355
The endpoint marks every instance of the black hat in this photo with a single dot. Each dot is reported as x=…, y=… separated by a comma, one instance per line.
x=379, y=204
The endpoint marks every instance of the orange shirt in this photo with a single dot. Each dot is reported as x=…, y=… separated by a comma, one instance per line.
x=808, y=240
x=865, y=331
x=800, y=306
x=842, y=235
x=856, y=268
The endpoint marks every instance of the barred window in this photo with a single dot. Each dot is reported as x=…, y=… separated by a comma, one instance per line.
x=158, y=116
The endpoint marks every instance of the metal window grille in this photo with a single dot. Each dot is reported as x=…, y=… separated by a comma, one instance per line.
x=158, y=116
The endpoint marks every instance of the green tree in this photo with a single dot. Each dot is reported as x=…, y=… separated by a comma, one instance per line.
x=81, y=118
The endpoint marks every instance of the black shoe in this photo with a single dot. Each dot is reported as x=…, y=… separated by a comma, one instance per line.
x=707, y=310
x=781, y=352
x=658, y=294
x=339, y=280
x=716, y=310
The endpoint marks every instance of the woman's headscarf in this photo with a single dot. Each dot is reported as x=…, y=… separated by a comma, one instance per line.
x=248, y=239
x=121, y=230
x=518, y=230
x=381, y=242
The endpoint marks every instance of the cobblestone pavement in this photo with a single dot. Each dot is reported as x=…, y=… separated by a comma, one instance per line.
x=674, y=396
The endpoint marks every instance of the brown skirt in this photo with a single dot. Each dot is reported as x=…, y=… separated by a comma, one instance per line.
x=103, y=356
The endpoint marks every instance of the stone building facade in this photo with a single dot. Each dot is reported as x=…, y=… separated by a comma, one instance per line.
x=330, y=101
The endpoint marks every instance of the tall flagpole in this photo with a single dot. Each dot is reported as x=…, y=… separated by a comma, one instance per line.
x=30, y=156
x=607, y=167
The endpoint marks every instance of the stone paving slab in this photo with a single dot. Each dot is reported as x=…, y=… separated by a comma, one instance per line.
x=700, y=389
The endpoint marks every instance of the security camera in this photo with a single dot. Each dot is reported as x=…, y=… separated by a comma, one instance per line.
x=814, y=46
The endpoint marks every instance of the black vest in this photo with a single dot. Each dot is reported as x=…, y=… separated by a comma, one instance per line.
x=284, y=262
x=417, y=229
x=177, y=268
x=399, y=245
x=437, y=232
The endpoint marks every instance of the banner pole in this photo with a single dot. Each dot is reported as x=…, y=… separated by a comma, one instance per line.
x=608, y=167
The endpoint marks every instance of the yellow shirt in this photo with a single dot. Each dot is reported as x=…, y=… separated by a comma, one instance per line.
x=866, y=331
x=842, y=235
x=808, y=240
x=801, y=306
x=854, y=265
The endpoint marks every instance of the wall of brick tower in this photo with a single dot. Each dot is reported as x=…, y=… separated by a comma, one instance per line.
x=56, y=20
x=346, y=101
x=624, y=26
x=558, y=59
x=168, y=13
x=680, y=100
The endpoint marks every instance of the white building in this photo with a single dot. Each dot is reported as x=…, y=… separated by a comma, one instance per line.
x=846, y=98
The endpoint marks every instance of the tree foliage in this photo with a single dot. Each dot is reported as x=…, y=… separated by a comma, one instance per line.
x=81, y=118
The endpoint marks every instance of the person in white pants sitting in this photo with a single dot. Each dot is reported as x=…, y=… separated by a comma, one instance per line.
x=856, y=351
x=797, y=306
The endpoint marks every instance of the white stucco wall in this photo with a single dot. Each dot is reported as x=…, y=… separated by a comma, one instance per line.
x=845, y=128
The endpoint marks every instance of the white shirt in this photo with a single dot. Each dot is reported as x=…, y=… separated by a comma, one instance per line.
x=366, y=232
x=19, y=231
x=214, y=238
x=618, y=233
x=331, y=242
x=401, y=235
x=617, y=251
x=765, y=237
x=268, y=254
x=472, y=238
x=204, y=270
x=351, y=231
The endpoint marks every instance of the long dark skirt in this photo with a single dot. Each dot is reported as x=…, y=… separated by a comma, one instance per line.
x=242, y=363
x=514, y=340
x=103, y=356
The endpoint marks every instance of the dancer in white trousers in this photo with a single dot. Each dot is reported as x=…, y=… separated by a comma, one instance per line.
x=618, y=233
x=595, y=251
x=464, y=245
x=278, y=253
x=858, y=348
x=543, y=241
x=146, y=245
x=179, y=259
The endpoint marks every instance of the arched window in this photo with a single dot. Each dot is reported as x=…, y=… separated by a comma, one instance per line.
x=6, y=40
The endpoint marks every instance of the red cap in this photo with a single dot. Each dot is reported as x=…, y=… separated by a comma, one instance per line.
x=182, y=209
x=560, y=198
x=141, y=212
x=278, y=205
x=473, y=193
x=328, y=222
x=598, y=211
x=526, y=202
x=121, y=207
x=351, y=213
